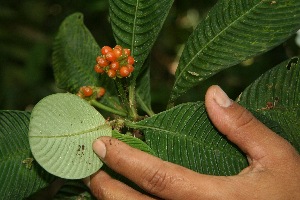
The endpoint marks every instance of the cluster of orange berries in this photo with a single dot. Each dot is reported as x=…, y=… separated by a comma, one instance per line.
x=115, y=62
x=91, y=92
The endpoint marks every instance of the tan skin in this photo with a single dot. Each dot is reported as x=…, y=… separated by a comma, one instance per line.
x=273, y=171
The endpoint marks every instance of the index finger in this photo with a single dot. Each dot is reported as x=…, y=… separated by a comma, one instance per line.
x=160, y=178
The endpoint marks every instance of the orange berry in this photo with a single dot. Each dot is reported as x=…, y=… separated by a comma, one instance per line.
x=87, y=91
x=130, y=68
x=102, y=62
x=124, y=71
x=118, y=47
x=117, y=52
x=110, y=56
x=111, y=73
x=115, y=65
x=130, y=60
x=127, y=52
x=98, y=69
x=105, y=50
x=101, y=92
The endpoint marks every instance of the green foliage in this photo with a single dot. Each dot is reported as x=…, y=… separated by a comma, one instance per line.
x=233, y=31
x=133, y=142
x=74, y=54
x=63, y=127
x=20, y=173
x=143, y=96
x=136, y=25
x=276, y=95
x=185, y=136
x=61, y=132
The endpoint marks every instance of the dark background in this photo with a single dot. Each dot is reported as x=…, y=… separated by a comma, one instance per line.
x=27, y=30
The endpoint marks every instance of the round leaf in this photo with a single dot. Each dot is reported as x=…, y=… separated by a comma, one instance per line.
x=61, y=132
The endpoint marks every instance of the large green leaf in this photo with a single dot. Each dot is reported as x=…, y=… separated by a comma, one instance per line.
x=74, y=54
x=185, y=136
x=276, y=95
x=136, y=24
x=233, y=31
x=61, y=132
x=20, y=175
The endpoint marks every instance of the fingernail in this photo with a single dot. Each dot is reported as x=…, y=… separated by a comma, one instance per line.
x=221, y=98
x=99, y=148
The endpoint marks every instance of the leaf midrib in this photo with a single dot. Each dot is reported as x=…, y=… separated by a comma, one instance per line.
x=212, y=40
x=181, y=136
x=103, y=126
x=134, y=26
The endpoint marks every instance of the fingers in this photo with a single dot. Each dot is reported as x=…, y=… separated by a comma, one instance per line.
x=145, y=170
x=162, y=179
x=169, y=181
x=104, y=187
x=241, y=127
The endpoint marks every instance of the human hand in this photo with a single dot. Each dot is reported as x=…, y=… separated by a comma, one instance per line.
x=273, y=171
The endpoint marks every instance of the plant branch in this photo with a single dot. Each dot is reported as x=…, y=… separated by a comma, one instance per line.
x=132, y=101
x=106, y=108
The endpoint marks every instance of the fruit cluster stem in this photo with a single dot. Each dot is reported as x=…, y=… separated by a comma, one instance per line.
x=132, y=101
x=106, y=108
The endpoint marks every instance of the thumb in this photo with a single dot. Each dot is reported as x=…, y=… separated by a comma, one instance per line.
x=241, y=127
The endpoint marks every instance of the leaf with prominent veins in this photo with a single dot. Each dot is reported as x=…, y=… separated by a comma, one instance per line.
x=136, y=24
x=233, y=31
x=61, y=132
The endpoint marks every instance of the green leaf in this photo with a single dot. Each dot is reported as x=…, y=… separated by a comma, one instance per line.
x=20, y=175
x=133, y=142
x=233, y=31
x=74, y=54
x=143, y=95
x=136, y=24
x=185, y=136
x=61, y=132
x=276, y=95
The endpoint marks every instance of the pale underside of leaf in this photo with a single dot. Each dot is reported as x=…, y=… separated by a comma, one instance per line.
x=233, y=31
x=61, y=132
